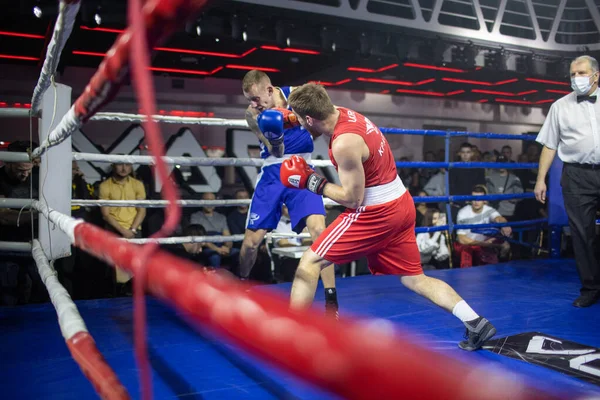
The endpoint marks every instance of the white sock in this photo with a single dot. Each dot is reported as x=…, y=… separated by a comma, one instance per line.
x=463, y=312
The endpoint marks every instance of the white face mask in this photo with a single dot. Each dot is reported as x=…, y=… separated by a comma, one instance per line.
x=581, y=84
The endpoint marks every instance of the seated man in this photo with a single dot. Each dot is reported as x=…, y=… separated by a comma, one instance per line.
x=215, y=224
x=287, y=266
x=20, y=282
x=474, y=248
x=502, y=181
x=189, y=251
x=193, y=251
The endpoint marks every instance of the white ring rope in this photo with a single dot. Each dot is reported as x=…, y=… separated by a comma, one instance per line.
x=169, y=119
x=25, y=203
x=214, y=239
x=69, y=319
x=67, y=125
x=187, y=161
x=64, y=222
x=163, y=203
x=62, y=30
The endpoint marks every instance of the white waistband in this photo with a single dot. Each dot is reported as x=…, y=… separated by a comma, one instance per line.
x=278, y=160
x=384, y=193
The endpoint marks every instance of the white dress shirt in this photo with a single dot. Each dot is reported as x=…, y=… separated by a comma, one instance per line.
x=574, y=129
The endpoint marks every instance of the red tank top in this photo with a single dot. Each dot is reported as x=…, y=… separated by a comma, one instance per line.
x=380, y=167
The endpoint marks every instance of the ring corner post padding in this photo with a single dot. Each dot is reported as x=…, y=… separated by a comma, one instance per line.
x=55, y=172
x=557, y=215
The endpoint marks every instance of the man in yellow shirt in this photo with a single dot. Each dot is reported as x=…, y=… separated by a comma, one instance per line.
x=125, y=221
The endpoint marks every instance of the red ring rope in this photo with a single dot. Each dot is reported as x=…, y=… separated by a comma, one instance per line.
x=144, y=89
x=346, y=357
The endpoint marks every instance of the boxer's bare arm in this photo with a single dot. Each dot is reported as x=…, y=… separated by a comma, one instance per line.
x=349, y=152
x=251, y=115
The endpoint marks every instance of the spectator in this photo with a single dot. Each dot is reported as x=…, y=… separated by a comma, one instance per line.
x=426, y=173
x=421, y=209
x=474, y=248
x=189, y=251
x=70, y=267
x=125, y=221
x=432, y=245
x=287, y=265
x=16, y=182
x=215, y=224
x=501, y=181
x=436, y=186
x=20, y=282
x=462, y=180
x=236, y=220
x=507, y=153
x=80, y=190
x=285, y=226
x=409, y=176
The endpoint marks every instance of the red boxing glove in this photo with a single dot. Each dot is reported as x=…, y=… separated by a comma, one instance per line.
x=290, y=119
x=295, y=173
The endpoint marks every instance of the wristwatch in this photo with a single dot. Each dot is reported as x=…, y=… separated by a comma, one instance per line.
x=133, y=230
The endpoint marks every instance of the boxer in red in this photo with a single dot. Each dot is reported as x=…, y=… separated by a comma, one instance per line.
x=379, y=221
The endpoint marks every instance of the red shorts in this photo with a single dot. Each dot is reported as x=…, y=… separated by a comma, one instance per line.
x=384, y=233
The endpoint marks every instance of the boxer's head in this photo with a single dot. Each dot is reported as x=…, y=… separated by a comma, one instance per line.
x=312, y=105
x=258, y=90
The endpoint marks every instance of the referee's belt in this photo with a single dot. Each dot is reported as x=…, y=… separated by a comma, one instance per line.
x=584, y=166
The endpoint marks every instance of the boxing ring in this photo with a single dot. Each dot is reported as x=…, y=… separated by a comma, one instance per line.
x=240, y=341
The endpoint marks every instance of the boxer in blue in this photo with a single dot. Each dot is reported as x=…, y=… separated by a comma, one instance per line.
x=280, y=136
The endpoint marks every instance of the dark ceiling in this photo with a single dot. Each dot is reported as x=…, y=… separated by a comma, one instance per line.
x=365, y=58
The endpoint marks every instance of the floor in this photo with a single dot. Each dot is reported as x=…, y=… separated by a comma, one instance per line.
x=517, y=297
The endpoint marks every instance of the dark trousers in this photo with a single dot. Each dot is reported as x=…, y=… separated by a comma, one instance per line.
x=581, y=192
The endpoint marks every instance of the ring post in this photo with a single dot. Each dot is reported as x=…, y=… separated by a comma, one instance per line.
x=557, y=216
x=55, y=172
x=447, y=184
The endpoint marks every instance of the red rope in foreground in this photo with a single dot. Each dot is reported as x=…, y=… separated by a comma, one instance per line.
x=94, y=367
x=144, y=88
x=350, y=358
x=162, y=18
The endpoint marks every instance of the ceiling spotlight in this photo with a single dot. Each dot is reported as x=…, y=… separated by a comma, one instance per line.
x=198, y=30
x=98, y=19
x=288, y=42
x=245, y=36
x=333, y=46
x=37, y=12
x=217, y=40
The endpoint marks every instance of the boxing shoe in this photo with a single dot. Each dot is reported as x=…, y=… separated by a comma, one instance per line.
x=478, y=331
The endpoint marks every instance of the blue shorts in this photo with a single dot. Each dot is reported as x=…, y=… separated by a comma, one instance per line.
x=270, y=195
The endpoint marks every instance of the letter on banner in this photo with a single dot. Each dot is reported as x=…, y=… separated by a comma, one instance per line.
x=55, y=172
x=127, y=143
x=184, y=143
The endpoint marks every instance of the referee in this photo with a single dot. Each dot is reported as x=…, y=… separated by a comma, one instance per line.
x=572, y=128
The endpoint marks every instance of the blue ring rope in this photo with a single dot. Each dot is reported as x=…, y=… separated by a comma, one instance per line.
x=539, y=221
x=464, y=165
x=425, y=132
x=460, y=198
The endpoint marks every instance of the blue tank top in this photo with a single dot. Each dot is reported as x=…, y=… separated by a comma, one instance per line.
x=296, y=140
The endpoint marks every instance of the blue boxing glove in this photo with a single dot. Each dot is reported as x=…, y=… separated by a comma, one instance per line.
x=270, y=123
